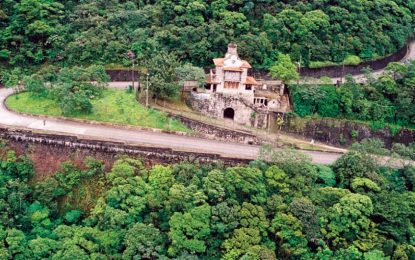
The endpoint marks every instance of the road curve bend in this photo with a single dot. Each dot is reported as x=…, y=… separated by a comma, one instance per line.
x=138, y=137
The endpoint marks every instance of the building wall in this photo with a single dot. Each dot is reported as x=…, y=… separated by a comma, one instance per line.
x=215, y=104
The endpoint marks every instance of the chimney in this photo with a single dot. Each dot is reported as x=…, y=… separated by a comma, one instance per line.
x=232, y=49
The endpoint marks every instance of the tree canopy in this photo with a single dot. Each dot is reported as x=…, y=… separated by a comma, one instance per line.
x=288, y=208
x=35, y=32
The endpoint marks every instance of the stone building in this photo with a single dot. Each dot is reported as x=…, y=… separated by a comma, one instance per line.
x=232, y=94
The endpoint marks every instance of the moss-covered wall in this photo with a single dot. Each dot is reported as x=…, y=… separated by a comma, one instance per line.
x=345, y=132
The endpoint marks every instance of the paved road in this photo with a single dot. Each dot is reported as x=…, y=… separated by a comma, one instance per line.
x=410, y=56
x=176, y=142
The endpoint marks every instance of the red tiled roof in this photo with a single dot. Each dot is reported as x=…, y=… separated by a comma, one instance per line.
x=219, y=62
x=250, y=81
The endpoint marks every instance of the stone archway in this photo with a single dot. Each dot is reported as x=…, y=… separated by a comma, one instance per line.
x=229, y=113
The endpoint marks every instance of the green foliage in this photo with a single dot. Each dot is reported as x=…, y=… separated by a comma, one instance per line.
x=328, y=105
x=288, y=208
x=284, y=69
x=352, y=60
x=35, y=85
x=189, y=72
x=143, y=241
x=371, y=146
x=348, y=60
x=34, y=32
x=190, y=230
x=351, y=165
x=349, y=221
x=364, y=185
x=114, y=106
x=386, y=101
x=326, y=176
x=241, y=242
x=321, y=64
x=163, y=75
x=287, y=229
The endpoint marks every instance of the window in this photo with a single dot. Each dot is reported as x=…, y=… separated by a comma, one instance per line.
x=230, y=84
x=248, y=87
x=232, y=76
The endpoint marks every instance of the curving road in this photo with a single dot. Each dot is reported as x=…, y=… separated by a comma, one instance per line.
x=361, y=78
x=139, y=137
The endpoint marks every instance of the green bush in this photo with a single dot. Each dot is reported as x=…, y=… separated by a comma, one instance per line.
x=321, y=64
x=352, y=60
x=328, y=104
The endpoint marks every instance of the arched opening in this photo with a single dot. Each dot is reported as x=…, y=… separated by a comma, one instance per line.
x=229, y=113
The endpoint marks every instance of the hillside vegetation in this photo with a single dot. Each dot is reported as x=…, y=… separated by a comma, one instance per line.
x=34, y=32
x=288, y=209
x=389, y=99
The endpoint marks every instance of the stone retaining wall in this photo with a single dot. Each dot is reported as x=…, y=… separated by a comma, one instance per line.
x=344, y=132
x=337, y=71
x=219, y=133
x=165, y=155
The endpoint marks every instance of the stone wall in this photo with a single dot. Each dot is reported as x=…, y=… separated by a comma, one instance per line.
x=123, y=74
x=215, y=104
x=219, y=133
x=340, y=70
x=344, y=132
x=74, y=143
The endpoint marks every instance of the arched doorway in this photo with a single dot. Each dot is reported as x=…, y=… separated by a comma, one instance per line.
x=229, y=113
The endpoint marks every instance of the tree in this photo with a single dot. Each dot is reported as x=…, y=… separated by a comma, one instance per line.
x=291, y=241
x=126, y=199
x=284, y=69
x=243, y=182
x=352, y=165
x=349, y=223
x=277, y=180
x=86, y=242
x=143, y=241
x=189, y=230
x=35, y=85
x=241, y=242
x=213, y=185
x=17, y=244
x=189, y=72
x=253, y=216
x=306, y=212
x=163, y=78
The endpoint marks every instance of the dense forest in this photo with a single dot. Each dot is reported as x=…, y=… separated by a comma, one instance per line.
x=286, y=209
x=34, y=32
x=387, y=99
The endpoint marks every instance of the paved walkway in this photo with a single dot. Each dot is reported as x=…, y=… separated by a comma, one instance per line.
x=148, y=138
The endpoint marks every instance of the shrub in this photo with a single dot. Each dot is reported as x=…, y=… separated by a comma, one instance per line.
x=75, y=103
x=352, y=60
x=328, y=104
x=321, y=64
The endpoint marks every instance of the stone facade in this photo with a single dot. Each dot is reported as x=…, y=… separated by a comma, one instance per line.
x=217, y=104
x=232, y=94
x=220, y=133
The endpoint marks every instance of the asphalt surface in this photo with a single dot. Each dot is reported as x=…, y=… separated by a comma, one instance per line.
x=139, y=137
x=361, y=78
